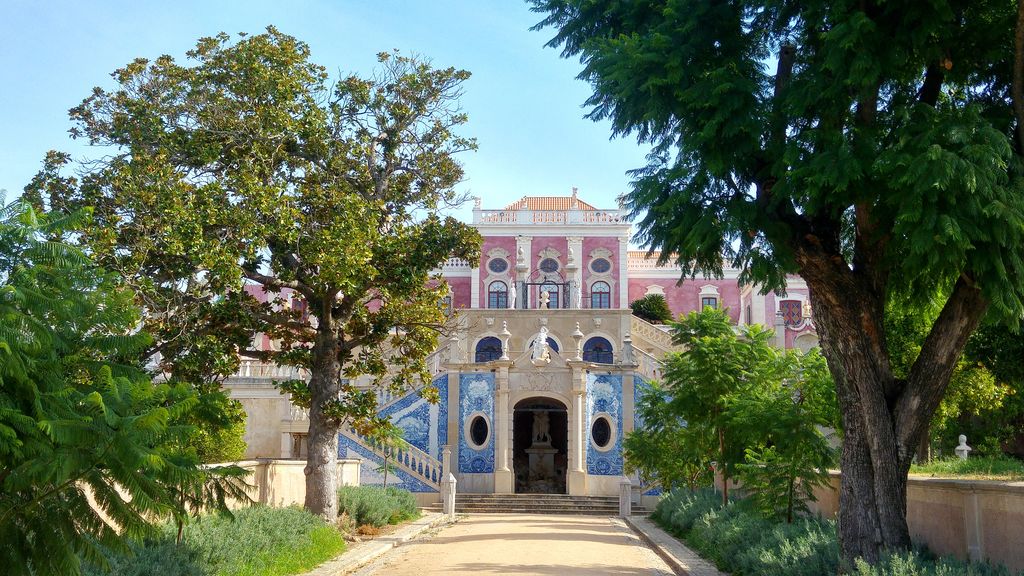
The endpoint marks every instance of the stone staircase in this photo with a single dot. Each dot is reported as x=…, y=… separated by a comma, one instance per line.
x=536, y=504
x=404, y=457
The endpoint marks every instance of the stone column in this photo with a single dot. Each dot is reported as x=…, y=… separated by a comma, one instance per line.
x=574, y=271
x=780, y=331
x=503, y=479
x=524, y=262
x=577, y=476
x=474, y=287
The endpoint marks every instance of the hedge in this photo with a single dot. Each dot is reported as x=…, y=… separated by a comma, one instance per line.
x=740, y=541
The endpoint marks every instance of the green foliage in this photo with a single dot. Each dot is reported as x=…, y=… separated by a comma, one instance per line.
x=793, y=455
x=974, y=393
x=653, y=308
x=79, y=419
x=383, y=434
x=259, y=541
x=248, y=168
x=666, y=451
x=870, y=160
x=220, y=428
x=981, y=467
x=377, y=506
x=741, y=542
x=752, y=408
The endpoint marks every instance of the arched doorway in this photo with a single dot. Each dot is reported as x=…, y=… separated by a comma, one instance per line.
x=540, y=440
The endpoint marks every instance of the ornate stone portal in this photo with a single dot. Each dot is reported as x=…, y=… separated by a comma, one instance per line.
x=543, y=476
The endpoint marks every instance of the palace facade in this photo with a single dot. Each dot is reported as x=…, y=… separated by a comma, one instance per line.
x=539, y=382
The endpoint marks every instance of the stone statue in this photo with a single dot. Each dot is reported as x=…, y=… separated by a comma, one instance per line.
x=578, y=293
x=512, y=295
x=541, y=428
x=545, y=299
x=962, y=450
x=540, y=346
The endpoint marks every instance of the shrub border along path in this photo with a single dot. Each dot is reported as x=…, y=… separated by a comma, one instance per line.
x=365, y=552
x=682, y=560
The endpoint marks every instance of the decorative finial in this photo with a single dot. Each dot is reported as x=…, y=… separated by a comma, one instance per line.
x=476, y=202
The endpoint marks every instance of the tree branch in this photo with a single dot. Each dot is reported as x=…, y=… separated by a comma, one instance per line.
x=930, y=374
x=277, y=283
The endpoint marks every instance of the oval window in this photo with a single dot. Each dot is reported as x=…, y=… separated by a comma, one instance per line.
x=497, y=265
x=549, y=265
x=601, y=432
x=478, y=430
x=600, y=265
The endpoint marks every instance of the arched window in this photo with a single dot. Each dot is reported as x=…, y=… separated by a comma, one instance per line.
x=551, y=344
x=552, y=290
x=488, y=349
x=600, y=295
x=497, y=295
x=597, y=350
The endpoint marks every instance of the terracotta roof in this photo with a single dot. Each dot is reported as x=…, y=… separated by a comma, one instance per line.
x=552, y=203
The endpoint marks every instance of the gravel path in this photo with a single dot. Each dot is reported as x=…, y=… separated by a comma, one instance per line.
x=524, y=544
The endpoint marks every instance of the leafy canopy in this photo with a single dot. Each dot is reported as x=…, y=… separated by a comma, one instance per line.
x=244, y=194
x=89, y=446
x=653, y=308
x=884, y=137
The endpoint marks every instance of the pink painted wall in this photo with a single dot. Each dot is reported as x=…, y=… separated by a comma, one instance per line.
x=461, y=291
x=539, y=243
x=685, y=298
x=612, y=245
x=508, y=243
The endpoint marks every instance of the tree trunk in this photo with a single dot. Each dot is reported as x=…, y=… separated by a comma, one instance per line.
x=322, y=462
x=883, y=418
x=725, y=468
x=924, y=448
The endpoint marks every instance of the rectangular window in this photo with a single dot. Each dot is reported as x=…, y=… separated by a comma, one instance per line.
x=600, y=300
x=750, y=316
x=708, y=302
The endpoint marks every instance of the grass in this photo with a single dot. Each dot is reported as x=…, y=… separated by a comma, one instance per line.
x=973, y=468
x=259, y=541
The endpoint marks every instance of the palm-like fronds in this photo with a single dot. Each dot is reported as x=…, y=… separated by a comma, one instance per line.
x=91, y=451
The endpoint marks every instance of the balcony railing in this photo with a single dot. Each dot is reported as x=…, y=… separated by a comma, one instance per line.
x=526, y=217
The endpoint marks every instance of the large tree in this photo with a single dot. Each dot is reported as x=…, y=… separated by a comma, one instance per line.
x=871, y=147
x=247, y=169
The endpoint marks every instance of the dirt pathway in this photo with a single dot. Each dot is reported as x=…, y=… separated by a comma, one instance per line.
x=524, y=544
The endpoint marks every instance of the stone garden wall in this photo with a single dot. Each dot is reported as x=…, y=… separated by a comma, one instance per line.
x=970, y=519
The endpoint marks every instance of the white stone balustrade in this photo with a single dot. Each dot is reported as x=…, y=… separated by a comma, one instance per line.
x=526, y=217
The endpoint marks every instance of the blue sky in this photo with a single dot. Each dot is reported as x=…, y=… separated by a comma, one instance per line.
x=524, y=104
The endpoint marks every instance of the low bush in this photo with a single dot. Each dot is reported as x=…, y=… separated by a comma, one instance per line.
x=258, y=541
x=740, y=541
x=377, y=506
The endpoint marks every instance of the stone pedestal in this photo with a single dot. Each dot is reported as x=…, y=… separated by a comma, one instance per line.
x=504, y=482
x=577, y=483
x=542, y=477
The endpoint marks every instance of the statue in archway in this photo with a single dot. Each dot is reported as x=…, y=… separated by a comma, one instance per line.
x=541, y=428
x=541, y=354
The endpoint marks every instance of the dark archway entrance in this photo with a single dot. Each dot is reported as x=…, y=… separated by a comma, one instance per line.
x=540, y=440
